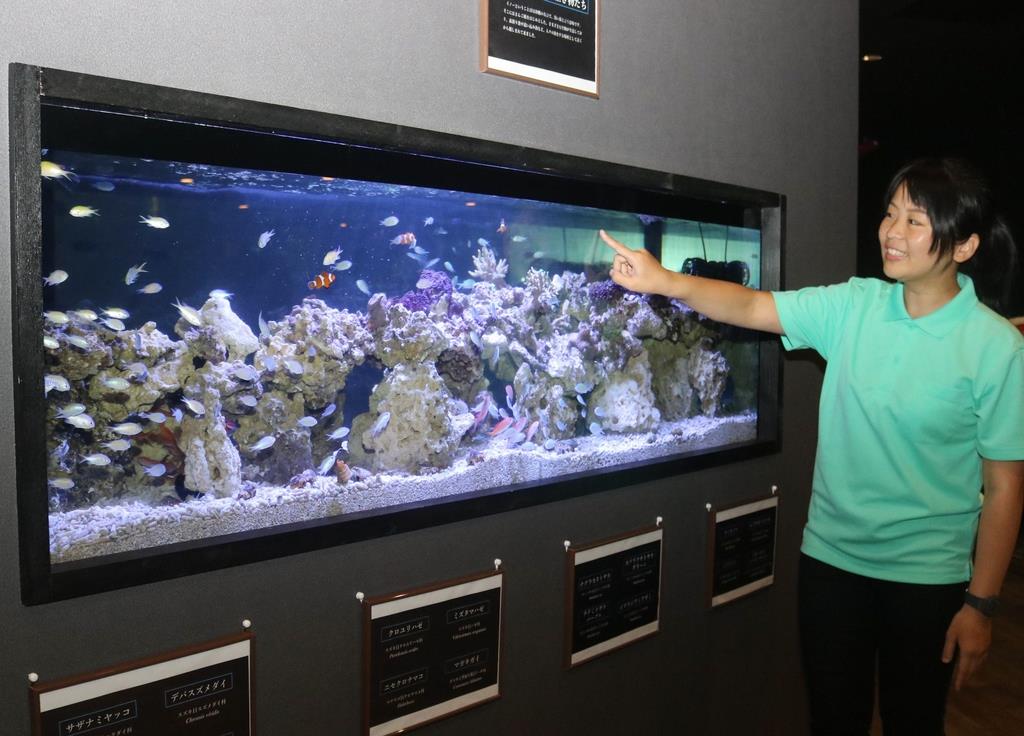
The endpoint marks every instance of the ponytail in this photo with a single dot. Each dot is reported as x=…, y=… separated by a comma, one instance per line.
x=993, y=268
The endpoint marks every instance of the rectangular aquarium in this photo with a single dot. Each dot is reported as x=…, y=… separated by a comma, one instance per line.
x=243, y=330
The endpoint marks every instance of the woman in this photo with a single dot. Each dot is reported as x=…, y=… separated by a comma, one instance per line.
x=922, y=404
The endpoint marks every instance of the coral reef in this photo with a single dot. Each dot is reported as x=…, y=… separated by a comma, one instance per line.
x=488, y=267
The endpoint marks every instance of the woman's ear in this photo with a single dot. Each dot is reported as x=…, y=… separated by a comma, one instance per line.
x=962, y=252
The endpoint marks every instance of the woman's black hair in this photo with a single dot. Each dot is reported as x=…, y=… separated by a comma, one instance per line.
x=958, y=200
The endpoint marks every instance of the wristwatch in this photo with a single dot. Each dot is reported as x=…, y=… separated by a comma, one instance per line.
x=987, y=606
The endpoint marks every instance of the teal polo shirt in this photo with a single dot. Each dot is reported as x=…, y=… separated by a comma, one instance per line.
x=909, y=407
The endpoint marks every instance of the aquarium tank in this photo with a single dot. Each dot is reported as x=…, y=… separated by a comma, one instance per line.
x=228, y=350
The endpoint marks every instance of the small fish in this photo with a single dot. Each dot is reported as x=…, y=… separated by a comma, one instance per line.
x=245, y=373
x=418, y=250
x=80, y=210
x=248, y=400
x=501, y=426
x=474, y=337
x=428, y=221
x=81, y=421
x=116, y=383
x=189, y=314
x=323, y=281
x=55, y=277
x=599, y=412
x=116, y=313
x=405, y=239
x=85, y=315
x=293, y=366
x=482, y=242
x=194, y=406
x=363, y=287
x=62, y=484
x=327, y=463
x=332, y=256
x=424, y=283
x=432, y=262
x=270, y=363
x=152, y=288
x=583, y=388
x=468, y=284
x=78, y=341
x=449, y=267
x=441, y=231
x=263, y=443
x=510, y=396
x=307, y=422
x=264, y=238
x=415, y=256
x=155, y=222
x=579, y=398
x=156, y=417
x=96, y=458
x=50, y=170
x=129, y=429
x=264, y=329
x=70, y=410
x=178, y=414
x=338, y=434
x=520, y=424
x=118, y=445
x=133, y=273
x=560, y=424
x=53, y=382
x=138, y=371
x=538, y=254
x=596, y=429
x=342, y=266
x=502, y=227
x=380, y=424
x=389, y=221
x=328, y=410
x=519, y=238
x=155, y=471
x=115, y=324
x=103, y=186
x=220, y=294
x=57, y=318
x=532, y=430
x=50, y=343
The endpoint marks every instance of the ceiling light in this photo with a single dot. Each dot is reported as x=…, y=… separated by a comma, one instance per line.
x=871, y=57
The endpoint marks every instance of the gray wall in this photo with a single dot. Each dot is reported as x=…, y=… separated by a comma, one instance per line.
x=756, y=93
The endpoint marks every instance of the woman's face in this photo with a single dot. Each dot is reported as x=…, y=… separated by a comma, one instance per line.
x=906, y=236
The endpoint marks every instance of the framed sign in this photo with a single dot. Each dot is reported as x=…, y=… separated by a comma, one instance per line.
x=613, y=594
x=431, y=653
x=202, y=690
x=741, y=549
x=549, y=42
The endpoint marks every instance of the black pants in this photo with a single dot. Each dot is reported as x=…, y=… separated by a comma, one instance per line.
x=848, y=624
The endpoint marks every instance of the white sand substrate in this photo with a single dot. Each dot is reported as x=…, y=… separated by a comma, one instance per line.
x=125, y=525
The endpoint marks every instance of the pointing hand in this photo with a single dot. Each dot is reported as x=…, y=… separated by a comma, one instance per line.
x=636, y=270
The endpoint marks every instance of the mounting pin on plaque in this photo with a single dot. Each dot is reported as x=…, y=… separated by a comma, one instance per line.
x=708, y=507
x=567, y=544
x=497, y=563
x=657, y=521
x=33, y=677
x=775, y=489
x=360, y=596
x=246, y=624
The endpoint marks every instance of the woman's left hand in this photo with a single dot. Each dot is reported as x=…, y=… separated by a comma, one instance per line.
x=970, y=632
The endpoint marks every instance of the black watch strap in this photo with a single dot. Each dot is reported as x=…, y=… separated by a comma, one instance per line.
x=986, y=606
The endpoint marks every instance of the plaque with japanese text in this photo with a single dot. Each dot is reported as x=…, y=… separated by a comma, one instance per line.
x=430, y=653
x=202, y=690
x=613, y=594
x=741, y=549
x=549, y=42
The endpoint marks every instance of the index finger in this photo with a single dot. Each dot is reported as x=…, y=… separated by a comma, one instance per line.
x=614, y=244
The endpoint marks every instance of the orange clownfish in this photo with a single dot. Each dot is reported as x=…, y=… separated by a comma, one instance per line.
x=323, y=281
x=503, y=228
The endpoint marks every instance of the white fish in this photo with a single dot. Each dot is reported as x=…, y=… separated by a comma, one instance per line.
x=583, y=388
x=482, y=242
x=307, y=422
x=328, y=462
x=55, y=277
x=538, y=254
x=50, y=170
x=70, y=410
x=519, y=239
x=389, y=221
x=115, y=324
x=153, y=288
x=245, y=373
x=599, y=412
x=332, y=256
x=338, y=434
x=468, y=284
x=116, y=383
x=155, y=222
x=103, y=186
x=427, y=221
x=53, y=382
x=129, y=429
x=380, y=424
x=57, y=318
x=96, y=458
x=583, y=402
x=50, y=342
x=596, y=429
x=220, y=294
x=133, y=273
x=156, y=417
x=264, y=329
x=78, y=341
x=62, y=484
x=549, y=444
x=178, y=414
x=118, y=445
x=263, y=443
x=449, y=267
x=81, y=421
x=80, y=210
x=155, y=471
x=138, y=371
x=248, y=400
x=85, y=315
x=431, y=262
x=270, y=363
x=419, y=250
x=293, y=366
x=265, y=238
x=363, y=287
x=189, y=314
x=328, y=410
x=342, y=266
x=194, y=406
x=441, y=231
x=116, y=313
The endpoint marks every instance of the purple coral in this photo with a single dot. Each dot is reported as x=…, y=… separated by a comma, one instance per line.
x=604, y=292
x=415, y=301
x=435, y=284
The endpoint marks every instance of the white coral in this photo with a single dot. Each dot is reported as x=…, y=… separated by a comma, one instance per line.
x=489, y=268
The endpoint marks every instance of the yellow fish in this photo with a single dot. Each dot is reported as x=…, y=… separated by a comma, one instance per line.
x=80, y=210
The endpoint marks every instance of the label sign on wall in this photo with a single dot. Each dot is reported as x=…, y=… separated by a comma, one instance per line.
x=204, y=690
x=550, y=42
x=741, y=549
x=430, y=653
x=614, y=592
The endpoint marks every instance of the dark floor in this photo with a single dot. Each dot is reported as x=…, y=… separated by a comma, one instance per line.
x=992, y=704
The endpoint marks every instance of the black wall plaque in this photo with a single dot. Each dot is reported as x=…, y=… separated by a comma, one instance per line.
x=551, y=42
x=613, y=594
x=203, y=690
x=430, y=653
x=741, y=543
